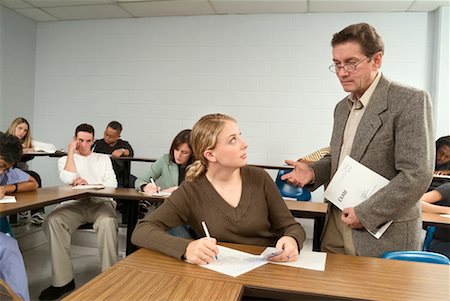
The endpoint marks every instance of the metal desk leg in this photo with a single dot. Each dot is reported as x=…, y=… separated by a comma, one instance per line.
x=319, y=223
x=132, y=211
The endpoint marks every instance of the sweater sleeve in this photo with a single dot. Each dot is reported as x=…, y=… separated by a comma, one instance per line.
x=65, y=176
x=154, y=172
x=281, y=218
x=151, y=232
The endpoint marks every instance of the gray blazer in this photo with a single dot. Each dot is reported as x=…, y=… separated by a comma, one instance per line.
x=395, y=139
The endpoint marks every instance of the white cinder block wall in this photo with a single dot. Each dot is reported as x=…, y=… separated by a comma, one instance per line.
x=159, y=75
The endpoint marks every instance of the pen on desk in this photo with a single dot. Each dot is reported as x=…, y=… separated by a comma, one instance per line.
x=205, y=229
x=153, y=182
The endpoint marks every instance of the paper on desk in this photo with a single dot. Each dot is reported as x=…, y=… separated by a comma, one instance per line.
x=306, y=259
x=445, y=215
x=234, y=263
x=8, y=199
x=352, y=184
x=161, y=193
x=442, y=177
x=89, y=186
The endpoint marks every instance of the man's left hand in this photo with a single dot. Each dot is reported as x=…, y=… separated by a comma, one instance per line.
x=349, y=218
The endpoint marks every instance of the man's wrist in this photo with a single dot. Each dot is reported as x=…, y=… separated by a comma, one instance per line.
x=123, y=151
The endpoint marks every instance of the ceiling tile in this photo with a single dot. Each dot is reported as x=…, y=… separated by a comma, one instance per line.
x=426, y=5
x=36, y=14
x=168, y=8
x=259, y=6
x=53, y=3
x=358, y=5
x=87, y=12
x=15, y=4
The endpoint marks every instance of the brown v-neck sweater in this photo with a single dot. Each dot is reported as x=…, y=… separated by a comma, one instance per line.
x=260, y=218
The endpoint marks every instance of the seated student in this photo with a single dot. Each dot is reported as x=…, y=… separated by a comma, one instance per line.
x=12, y=268
x=442, y=163
x=111, y=144
x=442, y=156
x=12, y=179
x=20, y=128
x=438, y=201
x=80, y=167
x=239, y=203
x=170, y=170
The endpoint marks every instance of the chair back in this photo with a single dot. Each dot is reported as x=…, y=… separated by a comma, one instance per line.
x=428, y=238
x=419, y=256
x=291, y=191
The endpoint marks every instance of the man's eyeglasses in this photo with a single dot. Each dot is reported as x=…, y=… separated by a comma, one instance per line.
x=5, y=167
x=349, y=67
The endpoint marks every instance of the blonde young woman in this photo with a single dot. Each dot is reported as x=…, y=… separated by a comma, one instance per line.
x=239, y=203
x=20, y=128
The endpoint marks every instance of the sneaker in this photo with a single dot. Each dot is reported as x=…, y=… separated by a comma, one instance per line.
x=37, y=218
x=53, y=293
x=24, y=215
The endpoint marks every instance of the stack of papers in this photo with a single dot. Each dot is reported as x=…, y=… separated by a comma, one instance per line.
x=161, y=193
x=7, y=199
x=234, y=263
x=352, y=184
x=89, y=186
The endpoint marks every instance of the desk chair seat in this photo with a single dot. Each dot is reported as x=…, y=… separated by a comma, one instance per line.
x=419, y=256
x=291, y=191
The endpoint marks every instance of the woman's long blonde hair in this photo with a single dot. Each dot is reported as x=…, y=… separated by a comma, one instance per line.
x=26, y=141
x=204, y=137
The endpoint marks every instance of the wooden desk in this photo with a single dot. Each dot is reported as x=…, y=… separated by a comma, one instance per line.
x=150, y=275
x=434, y=219
x=52, y=195
x=317, y=211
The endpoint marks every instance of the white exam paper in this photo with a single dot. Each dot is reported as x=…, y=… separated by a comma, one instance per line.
x=352, y=184
x=234, y=263
x=89, y=186
x=7, y=199
x=306, y=259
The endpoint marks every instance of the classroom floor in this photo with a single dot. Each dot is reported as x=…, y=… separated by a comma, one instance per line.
x=85, y=259
x=84, y=254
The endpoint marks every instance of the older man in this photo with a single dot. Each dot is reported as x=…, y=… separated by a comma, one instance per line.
x=385, y=126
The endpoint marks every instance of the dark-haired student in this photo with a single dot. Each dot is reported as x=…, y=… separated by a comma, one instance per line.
x=438, y=201
x=12, y=179
x=239, y=203
x=12, y=269
x=170, y=171
x=111, y=144
x=81, y=167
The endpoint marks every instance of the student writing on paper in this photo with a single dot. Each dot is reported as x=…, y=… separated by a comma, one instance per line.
x=438, y=201
x=239, y=203
x=81, y=166
x=12, y=179
x=387, y=127
x=170, y=171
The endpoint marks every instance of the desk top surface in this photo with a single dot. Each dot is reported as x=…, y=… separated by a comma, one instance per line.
x=345, y=277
